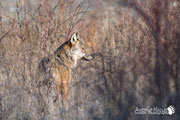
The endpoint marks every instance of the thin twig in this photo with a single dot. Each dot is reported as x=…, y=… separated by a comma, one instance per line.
x=3, y=36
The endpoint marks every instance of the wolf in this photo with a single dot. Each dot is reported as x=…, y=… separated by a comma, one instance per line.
x=61, y=63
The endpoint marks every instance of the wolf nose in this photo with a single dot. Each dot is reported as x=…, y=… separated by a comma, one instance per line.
x=88, y=57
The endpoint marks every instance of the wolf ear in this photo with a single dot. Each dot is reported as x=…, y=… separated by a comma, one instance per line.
x=74, y=38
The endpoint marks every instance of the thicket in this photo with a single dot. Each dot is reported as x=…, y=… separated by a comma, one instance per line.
x=136, y=44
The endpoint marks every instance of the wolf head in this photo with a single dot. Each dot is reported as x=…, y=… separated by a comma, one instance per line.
x=72, y=50
x=78, y=49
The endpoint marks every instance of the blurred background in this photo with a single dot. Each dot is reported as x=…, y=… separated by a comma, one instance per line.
x=136, y=44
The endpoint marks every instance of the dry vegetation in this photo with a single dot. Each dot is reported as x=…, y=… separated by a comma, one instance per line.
x=136, y=44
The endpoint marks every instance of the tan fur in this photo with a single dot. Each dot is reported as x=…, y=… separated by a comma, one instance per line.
x=62, y=77
x=62, y=62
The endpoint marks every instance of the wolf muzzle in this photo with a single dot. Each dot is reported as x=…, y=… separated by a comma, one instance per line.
x=88, y=57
